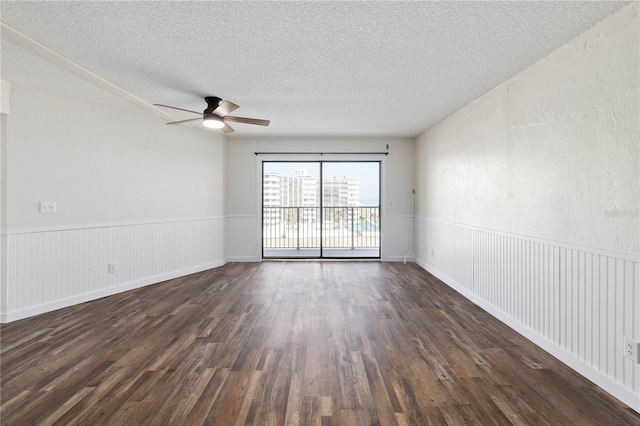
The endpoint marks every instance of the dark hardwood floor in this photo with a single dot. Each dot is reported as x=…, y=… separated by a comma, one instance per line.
x=300, y=343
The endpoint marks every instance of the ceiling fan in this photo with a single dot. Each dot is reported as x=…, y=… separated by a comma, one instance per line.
x=215, y=115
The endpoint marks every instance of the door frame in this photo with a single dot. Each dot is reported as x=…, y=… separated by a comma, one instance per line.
x=320, y=157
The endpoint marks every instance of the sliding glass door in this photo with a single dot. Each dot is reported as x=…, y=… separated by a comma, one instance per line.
x=321, y=209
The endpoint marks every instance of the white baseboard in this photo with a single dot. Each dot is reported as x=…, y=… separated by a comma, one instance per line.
x=408, y=259
x=241, y=259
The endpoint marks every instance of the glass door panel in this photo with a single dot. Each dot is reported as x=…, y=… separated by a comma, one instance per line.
x=351, y=209
x=291, y=209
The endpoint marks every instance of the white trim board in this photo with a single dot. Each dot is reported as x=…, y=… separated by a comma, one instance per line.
x=51, y=55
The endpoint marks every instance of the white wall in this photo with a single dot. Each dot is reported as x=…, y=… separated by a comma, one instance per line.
x=528, y=202
x=104, y=166
x=242, y=191
x=129, y=190
x=551, y=153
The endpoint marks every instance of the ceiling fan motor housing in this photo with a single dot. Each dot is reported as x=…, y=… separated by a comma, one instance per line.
x=213, y=102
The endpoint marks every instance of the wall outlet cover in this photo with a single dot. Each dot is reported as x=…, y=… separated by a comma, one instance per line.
x=632, y=350
x=47, y=206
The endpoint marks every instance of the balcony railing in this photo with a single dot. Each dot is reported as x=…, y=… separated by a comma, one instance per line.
x=303, y=227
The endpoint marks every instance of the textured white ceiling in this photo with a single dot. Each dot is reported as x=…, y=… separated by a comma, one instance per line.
x=312, y=68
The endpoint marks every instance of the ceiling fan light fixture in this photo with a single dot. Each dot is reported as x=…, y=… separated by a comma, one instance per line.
x=212, y=121
x=215, y=116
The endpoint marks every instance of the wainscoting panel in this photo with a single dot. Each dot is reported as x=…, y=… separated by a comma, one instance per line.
x=576, y=302
x=52, y=269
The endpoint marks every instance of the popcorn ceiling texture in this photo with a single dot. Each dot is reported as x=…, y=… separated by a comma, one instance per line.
x=313, y=68
x=552, y=152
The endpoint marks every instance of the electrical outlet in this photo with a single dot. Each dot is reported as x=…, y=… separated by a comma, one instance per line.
x=433, y=252
x=631, y=350
x=47, y=206
x=111, y=268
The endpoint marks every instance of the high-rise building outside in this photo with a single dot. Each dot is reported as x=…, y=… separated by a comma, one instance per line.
x=303, y=190
x=271, y=197
x=341, y=192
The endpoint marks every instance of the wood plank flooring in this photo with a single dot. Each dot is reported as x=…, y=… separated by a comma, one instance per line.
x=295, y=343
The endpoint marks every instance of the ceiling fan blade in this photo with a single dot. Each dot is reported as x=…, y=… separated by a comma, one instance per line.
x=185, y=121
x=179, y=109
x=246, y=120
x=225, y=108
x=227, y=128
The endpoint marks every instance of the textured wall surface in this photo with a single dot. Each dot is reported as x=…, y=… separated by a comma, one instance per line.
x=552, y=152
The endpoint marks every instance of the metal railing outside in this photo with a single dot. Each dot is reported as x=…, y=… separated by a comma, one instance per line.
x=301, y=227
